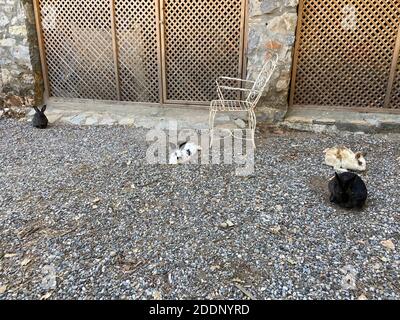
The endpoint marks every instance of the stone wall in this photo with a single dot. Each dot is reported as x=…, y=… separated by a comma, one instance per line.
x=20, y=72
x=272, y=27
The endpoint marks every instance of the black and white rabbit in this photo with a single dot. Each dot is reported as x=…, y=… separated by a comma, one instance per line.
x=39, y=119
x=348, y=190
x=183, y=153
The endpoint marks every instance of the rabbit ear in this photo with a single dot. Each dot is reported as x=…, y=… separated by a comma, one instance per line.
x=348, y=183
x=44, y=108
x=171, y=145
x=181, y=145
x=338, y=179
x=36, y=109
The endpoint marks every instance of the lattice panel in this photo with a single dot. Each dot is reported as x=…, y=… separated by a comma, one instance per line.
x=136, y=25
x=202, y=42
x=345, y=52
x=78, y=44
x=395, y=98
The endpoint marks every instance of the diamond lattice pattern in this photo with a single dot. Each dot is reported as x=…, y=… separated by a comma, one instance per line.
x=136, y=25
x=202, y=42
x=346, y=51
x=78, y=45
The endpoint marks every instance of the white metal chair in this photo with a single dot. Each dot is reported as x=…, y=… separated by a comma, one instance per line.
x=248, y=97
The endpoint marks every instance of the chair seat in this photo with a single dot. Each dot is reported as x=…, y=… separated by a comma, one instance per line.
x=230, y=105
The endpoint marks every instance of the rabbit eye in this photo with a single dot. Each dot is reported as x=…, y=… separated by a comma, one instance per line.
x=359, y=163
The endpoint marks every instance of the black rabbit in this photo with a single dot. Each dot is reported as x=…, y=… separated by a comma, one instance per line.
x=348, y=190
x=39, y=119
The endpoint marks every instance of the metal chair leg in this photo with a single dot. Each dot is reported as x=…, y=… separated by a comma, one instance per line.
x=211, y=126
x=252, y=126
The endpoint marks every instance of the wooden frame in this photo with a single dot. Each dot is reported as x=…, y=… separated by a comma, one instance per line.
x=296, y=53
x=42, y=51
x=160, y=50
x=245, y=41
x=243, y=37
x=115, y=49
x=163, y=85
x=139, y=47
x=396, y=54
x=241, y=60
x=77, y=52
x=379, y=101
x=162, y=88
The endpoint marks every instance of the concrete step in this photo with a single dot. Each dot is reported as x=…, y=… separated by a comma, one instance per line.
x=93, y=112
x=337, y=120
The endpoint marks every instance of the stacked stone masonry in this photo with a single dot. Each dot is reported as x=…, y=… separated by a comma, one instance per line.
x=272, y=27
x=20, y=72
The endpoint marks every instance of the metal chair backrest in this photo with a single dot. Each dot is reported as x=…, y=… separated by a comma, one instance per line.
x=262, y=79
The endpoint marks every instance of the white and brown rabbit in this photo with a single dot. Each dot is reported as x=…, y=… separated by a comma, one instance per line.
x=39, y=119
x=343, y=159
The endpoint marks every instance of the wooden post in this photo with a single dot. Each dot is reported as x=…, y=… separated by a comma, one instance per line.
x=245, y=40
x=115, y=49
x=242, y=38
x=42, y=50
x=162, y=46
x=159, y=50
x=296, y=52
x=393, y=69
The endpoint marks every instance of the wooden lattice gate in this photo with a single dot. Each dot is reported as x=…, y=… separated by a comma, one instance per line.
x=193, y=59
x=347, y=54
x=156, y=51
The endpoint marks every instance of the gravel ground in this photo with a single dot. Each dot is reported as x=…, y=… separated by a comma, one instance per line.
x=72, y=226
